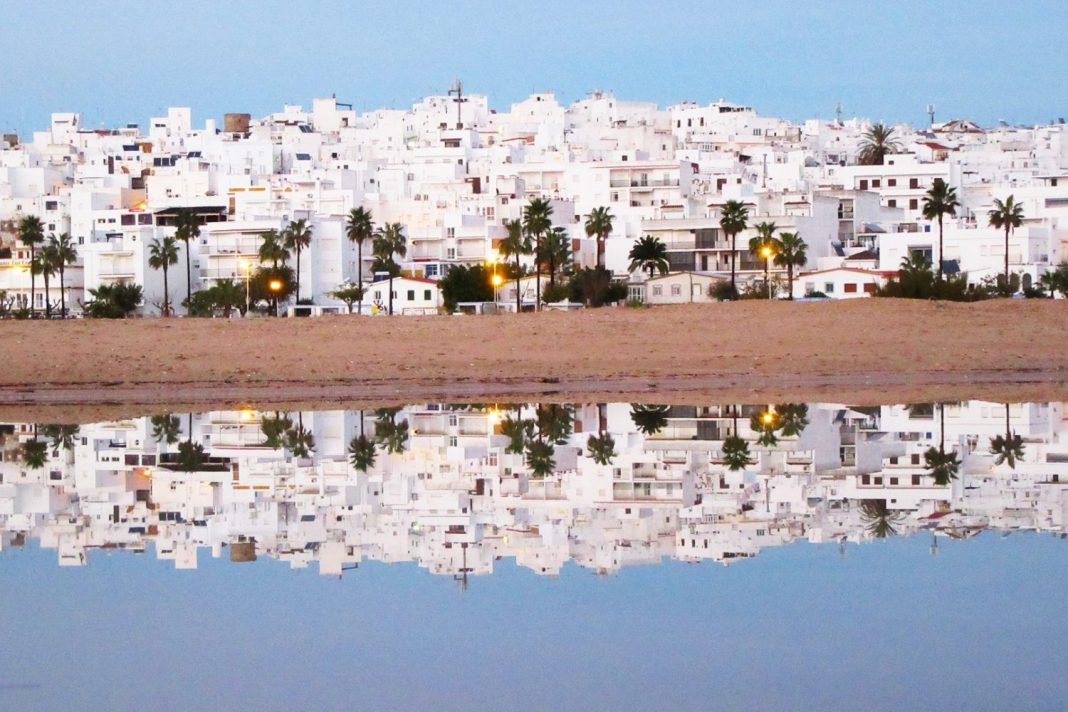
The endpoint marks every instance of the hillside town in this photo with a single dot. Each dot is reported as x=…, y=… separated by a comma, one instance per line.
x=330, y=209
x=601, y=486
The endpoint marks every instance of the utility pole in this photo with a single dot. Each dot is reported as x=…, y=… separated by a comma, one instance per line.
x=458, y=89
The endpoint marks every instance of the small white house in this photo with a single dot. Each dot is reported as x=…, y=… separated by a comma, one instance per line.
x=411, y=296
x=840, y=282
x=680, y=288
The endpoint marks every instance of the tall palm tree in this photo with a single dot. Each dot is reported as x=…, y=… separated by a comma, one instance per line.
x=44, y=263
x=649, y=419
x=515, y=245
x=537, y=221
x=362, y=449
x=732, y=220
x=187, y=229
x=31, y=234
x=299, y=440
x=940, y=200
x=65, y=254
x=793, y=252
x=166, y=427
x=599, y=225
x=161, y=255
x=273, y=250
x=296, y=237
x=650, y=254
x=1007, y=448
x=1006, y=215
x=602, y=448
x=764, y=244
x=735, y=449
x=359, y=228
x=388, y=432
x=274, y=430
x=879, y=519
x=941, y=465
x=556, y=252
x=517, y=430
x=554, y=421
x=389, y=240
x=878, y=143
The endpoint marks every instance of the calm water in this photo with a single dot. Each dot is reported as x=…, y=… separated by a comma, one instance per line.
x=589, y=556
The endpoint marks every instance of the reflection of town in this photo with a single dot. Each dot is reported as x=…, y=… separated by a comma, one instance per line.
x=454, y=488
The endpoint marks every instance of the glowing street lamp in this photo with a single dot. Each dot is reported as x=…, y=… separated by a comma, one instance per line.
x=275, y=285
x=766, y=252
x=497, y=280
x=246, y=267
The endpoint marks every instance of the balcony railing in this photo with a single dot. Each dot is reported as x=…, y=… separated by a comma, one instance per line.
x=638, y=183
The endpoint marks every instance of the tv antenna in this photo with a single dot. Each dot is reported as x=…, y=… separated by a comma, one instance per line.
x=931, y=113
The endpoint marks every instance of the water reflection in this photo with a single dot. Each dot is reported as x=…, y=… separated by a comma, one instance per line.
x=456, y=488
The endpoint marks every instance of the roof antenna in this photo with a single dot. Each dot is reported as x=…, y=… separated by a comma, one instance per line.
x=930, y=114
x=838, y=114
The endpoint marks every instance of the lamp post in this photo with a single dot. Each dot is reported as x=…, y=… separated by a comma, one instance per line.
x=766, y=252
x=497, y=281
x=246, y=267
x=275, y=285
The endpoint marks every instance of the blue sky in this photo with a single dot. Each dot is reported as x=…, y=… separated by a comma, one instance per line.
x=980, y=626
x=121, y=61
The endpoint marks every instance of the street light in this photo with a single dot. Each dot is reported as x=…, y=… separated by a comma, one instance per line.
x=275, y=285
x=766, y=252
x=246, y=267
x=497, y=280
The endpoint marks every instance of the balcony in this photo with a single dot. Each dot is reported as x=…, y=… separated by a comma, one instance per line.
x=639, y=183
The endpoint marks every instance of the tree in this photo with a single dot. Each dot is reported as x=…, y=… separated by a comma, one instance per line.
x=359, y=228
x=161, y=255
x=187, y=229
x=274, y=430
x=540, y=458
x=556, y=253
x=34, y=453
x=793, y=252
x=732, y=220
x=261, y=281
x=793, y=418
x=596, y=287
x=388, y=432
x=63, y=254
x=272, y=248
x=878, y=143
x=649, y=419
x=554, y=421
x=31, y=234
x=191, y=456
x=940, y=200
x=1007, y=448
x=517, y=430
x=362, y=453
x=537, y=221
x=766, y=425
x=389, y=241
x=764, y=244
x=879, y=520
x=515, y=245
x=62, y=436
x=166, y=427
x=349, y=293
x=226, y=294
x=941, y=465
x=466, y=283
x=113, y=301
x=599, y=225
x=44, y=263
x=602, y=448
x=735, y=450
x=298, y=439
x=297, y=237
x=649, y=253
x=1006, y=215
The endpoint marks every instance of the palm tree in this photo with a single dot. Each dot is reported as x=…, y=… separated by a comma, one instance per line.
x=1007, y=448
x=229, y=295
x=537, y=221
x=44, y=263
x=602, y=448
x=161, y=255
x=191, y=456
x=649, y=419
x=62, y=437
x=765, y=244
x=362, y=449
x=34, y=452
x=64, y=253
x=1006, y=215
x=767, y=425
x=388, y=432
x=735, y=449
x=732, y=220
x=299, y=440
x=360, y=227
x=274, y=430
x=793, y=418
x=878, y=519
x=273, y=250
x=649, y=253
x=389, y=241
x=1050, y=282
x=515, y=245
x=31, y=234
x=517, y=430
x=296, y=237
x=941, y=465
x=878, y=143
x=554, y=421
x=792, y=253
x=556, y=251
x=599, y=225
x=166, y=427
x=187, y=226
x=539, y=458
x=940, y=200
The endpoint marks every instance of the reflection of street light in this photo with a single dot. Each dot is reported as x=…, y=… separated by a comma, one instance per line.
x=246, y=267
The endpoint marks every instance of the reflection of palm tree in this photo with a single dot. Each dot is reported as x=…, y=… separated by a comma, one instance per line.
x=1007, y=448
x=649, y=419
x=166, y=427
x=539, y=458
x=299, y=440
x=362, y=450
x=793, y=418
x=35, y=453
x=190, y=456
x=554, y=422
x=388, y=432
x=878, y=519
x=62, y=437
x=941, y=465
x=766, y=425
x=274, y=430
x=517, y=430
x=735, y=449
x=602, y=448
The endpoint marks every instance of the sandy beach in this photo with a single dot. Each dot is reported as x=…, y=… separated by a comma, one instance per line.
x=864, y=351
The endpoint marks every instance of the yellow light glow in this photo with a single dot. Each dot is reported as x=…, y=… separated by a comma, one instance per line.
x=244, y=264
x=246, y=414
x=494, y=416
x=768, y=418
x=275, y=285
x=766, y=252
x=497, y=280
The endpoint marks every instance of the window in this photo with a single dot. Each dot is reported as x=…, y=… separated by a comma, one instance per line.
x=915, y=459
x=876, y=183
x=914, y=182
x=850, y=288
x=676, y=290
x=869, y=288
x=426, y=295
x=865, y=479
x=893, y=481
x=893, y=460
x=915, y=480
x=864, y=184
x=891, y=182
x=54, y=205
x=431, y=270
x=828, y=287
x=891, y=203
x=914, y=204
x=450, y=232
x=658, y=290
x=411, y=295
